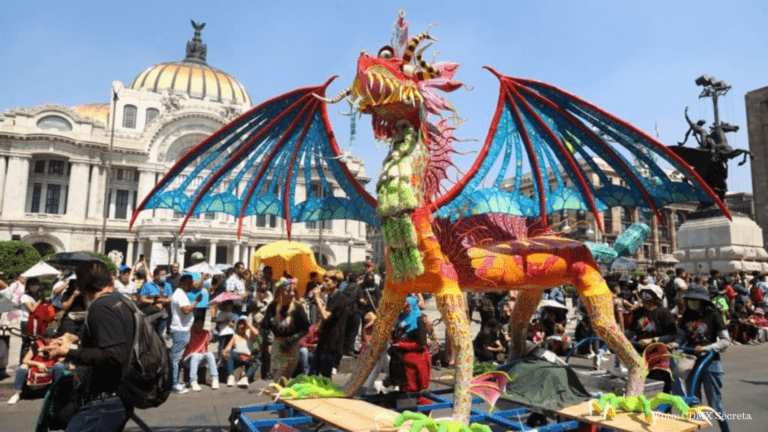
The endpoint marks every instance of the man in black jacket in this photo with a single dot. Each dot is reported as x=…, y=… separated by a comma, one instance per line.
x=353, y=294
x=104, y=349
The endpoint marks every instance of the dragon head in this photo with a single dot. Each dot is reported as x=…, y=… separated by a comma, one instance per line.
x=382, y=88
x=396, y=85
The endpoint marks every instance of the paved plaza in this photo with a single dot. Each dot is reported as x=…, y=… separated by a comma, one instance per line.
x=745, y=390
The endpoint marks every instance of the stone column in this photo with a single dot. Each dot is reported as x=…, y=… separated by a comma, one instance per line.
x=655, y=248
x=16, y=185
x=212, y=253
x=146, y=183
x=96, y=193
x=2, y=181
x=236, y=253
x=672, y=231
x=77, y=200
x=129, y=253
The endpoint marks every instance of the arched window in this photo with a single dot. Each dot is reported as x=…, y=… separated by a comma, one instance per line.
x=54, y=122
x=151, y=114
x=129, y=117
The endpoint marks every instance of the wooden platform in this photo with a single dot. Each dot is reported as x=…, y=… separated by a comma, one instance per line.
x=632, y=422
x=352, y=415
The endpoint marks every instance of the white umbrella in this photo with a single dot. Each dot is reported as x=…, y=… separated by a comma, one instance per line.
x=552, y=304
x=622, y=263
x=204, y=268
x=39, y=270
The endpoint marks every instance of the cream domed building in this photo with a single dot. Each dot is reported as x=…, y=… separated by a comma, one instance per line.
x=53, y=162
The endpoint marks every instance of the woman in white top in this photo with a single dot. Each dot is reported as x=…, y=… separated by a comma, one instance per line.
x=28, y=304
x=238, y=352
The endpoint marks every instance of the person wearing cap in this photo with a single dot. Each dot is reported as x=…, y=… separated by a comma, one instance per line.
x=650, y=324
x=487, y=343
x=123, y=283
x=703, y=329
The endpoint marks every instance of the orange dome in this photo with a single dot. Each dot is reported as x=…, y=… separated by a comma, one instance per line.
x=96, y=111
x=194, y=78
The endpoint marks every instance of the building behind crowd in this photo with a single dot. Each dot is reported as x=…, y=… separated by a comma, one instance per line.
x=580, y=224
x=52, y=172
x=757, y=129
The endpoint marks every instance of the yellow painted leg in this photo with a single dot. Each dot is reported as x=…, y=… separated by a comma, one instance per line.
x=390, y=306
x=525, y=306
x=451, y=307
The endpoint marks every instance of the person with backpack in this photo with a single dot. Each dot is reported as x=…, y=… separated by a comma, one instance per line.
x=758, y=290
x=103, y=353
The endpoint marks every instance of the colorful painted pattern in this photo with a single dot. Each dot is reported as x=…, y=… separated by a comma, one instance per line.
x=284, y=360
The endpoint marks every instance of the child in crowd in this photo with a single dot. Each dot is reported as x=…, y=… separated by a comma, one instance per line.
x=225, y=325
x=197, y=351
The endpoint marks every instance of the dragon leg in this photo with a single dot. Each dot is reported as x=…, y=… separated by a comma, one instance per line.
x=599, y=301
x=390, y=306
x=451, y=305
x=525, y=306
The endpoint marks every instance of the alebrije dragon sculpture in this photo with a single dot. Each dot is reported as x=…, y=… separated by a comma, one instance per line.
x=469, y=237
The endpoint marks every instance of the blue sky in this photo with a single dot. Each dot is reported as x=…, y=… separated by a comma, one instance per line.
x=637, y=60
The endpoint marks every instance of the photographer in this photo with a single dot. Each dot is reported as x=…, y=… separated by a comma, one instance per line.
x=105, y=348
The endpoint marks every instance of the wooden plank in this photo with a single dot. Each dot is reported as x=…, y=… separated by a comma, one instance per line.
x=632, y=422
x=351, y=415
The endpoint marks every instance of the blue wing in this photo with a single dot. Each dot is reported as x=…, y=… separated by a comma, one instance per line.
x=251, y=167
x=554, y=133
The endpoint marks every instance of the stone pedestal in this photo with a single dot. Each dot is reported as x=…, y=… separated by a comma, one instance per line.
x=709, y=241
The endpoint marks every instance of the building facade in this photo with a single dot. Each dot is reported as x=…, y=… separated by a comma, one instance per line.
x=757, y=129
x=53, y=176
x=580, y=224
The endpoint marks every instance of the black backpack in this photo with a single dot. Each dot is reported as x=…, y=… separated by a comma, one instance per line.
x=148, y=377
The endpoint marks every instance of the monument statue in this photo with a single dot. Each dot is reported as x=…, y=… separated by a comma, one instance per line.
x=196, y=49
x=711, y=158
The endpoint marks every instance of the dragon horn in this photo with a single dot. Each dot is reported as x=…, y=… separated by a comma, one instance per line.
x=344, y=93
x=428, y=72
x=415, y=41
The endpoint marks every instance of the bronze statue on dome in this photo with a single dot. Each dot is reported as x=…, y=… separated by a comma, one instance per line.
x=196, y=49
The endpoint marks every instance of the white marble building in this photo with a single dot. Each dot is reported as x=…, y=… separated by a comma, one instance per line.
x=52, y=171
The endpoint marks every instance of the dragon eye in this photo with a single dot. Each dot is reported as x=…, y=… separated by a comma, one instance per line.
x=386, y=52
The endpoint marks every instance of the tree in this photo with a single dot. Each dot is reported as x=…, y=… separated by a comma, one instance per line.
x=16, y=257
x=111, y=265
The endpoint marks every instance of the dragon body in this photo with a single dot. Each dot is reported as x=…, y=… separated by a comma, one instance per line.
x=445, y=242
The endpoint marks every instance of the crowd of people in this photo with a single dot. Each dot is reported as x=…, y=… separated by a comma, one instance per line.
x=262, y=326
x=259, y=325
x=658, y=313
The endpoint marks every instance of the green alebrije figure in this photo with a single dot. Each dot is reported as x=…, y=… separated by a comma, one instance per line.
x=407, y=196
x=409, y=232
x=386, y=229
x=398, y=266
x=416, y=261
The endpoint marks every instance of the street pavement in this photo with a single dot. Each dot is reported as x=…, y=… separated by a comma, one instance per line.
x=745, y=393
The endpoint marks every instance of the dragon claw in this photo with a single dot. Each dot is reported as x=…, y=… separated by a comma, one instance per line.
x=421, y=421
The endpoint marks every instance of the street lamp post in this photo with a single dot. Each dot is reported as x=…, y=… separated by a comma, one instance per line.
x=107, y=172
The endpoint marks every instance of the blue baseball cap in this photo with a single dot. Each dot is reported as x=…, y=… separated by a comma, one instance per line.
x=124, y=268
